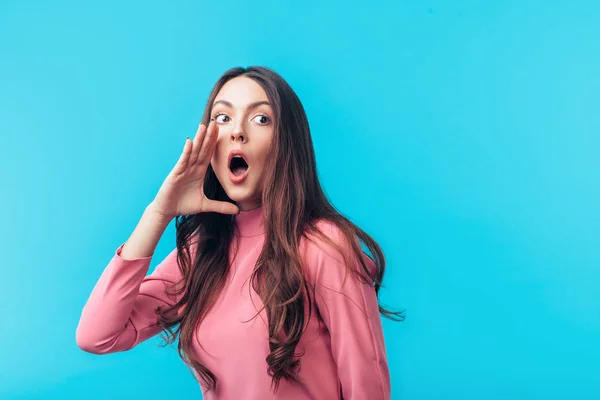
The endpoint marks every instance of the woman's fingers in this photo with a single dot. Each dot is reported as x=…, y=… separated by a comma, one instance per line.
x=184, y=157
x=208, y=145
x=198, y=139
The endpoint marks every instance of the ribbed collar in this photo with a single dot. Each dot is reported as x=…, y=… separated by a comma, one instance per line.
x=249, y=223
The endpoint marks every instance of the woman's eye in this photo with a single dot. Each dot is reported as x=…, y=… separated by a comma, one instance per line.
x=221, y=118
x=261, y=119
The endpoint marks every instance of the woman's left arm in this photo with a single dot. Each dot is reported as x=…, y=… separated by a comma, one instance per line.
x=350, y=311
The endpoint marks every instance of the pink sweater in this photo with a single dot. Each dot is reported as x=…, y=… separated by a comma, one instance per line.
x=344, y=350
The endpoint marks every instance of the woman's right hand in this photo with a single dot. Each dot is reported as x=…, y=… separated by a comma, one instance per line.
x=182, y=192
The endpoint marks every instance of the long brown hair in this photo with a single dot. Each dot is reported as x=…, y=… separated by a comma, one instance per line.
x=293, y=201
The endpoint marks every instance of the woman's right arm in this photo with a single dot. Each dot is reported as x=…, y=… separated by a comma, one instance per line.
x=120, y=312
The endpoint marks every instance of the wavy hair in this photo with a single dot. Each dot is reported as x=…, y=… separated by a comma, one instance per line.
x=293, y=201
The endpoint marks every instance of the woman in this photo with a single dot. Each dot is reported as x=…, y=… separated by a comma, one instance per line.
x=268, y=288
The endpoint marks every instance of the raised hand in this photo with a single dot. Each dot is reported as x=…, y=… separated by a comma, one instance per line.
x=182, y=192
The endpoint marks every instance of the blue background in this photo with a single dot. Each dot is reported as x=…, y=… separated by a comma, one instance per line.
x=463, y=135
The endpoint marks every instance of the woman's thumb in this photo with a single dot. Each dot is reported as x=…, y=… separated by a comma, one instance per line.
x=222, y=207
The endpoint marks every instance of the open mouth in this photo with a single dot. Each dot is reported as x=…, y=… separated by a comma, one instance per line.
x=238, y=166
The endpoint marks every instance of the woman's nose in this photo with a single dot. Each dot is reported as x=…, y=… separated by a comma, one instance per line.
x=237, y=134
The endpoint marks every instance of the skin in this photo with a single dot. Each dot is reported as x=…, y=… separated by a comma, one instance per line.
x=247, y=127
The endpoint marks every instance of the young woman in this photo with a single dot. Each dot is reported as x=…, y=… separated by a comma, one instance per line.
x=268, y=289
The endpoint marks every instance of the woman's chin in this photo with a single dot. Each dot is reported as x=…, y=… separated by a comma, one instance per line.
x=246, y=202
x=242, y=196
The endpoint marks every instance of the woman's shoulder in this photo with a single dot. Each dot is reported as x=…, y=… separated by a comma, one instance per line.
x=326, y=247
x=324, y=238
x=329, y=251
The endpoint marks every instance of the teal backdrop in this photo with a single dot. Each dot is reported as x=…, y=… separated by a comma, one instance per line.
x=462, y=135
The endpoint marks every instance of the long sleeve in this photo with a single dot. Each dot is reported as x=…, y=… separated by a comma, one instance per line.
x=120, y=312
x=350, y=312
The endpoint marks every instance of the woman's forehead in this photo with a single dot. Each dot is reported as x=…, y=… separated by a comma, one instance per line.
x=241, y=92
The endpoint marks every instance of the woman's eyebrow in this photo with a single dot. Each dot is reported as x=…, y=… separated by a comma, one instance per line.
x=250, y=106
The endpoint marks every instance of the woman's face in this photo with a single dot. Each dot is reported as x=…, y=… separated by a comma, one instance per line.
x=244, y=119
